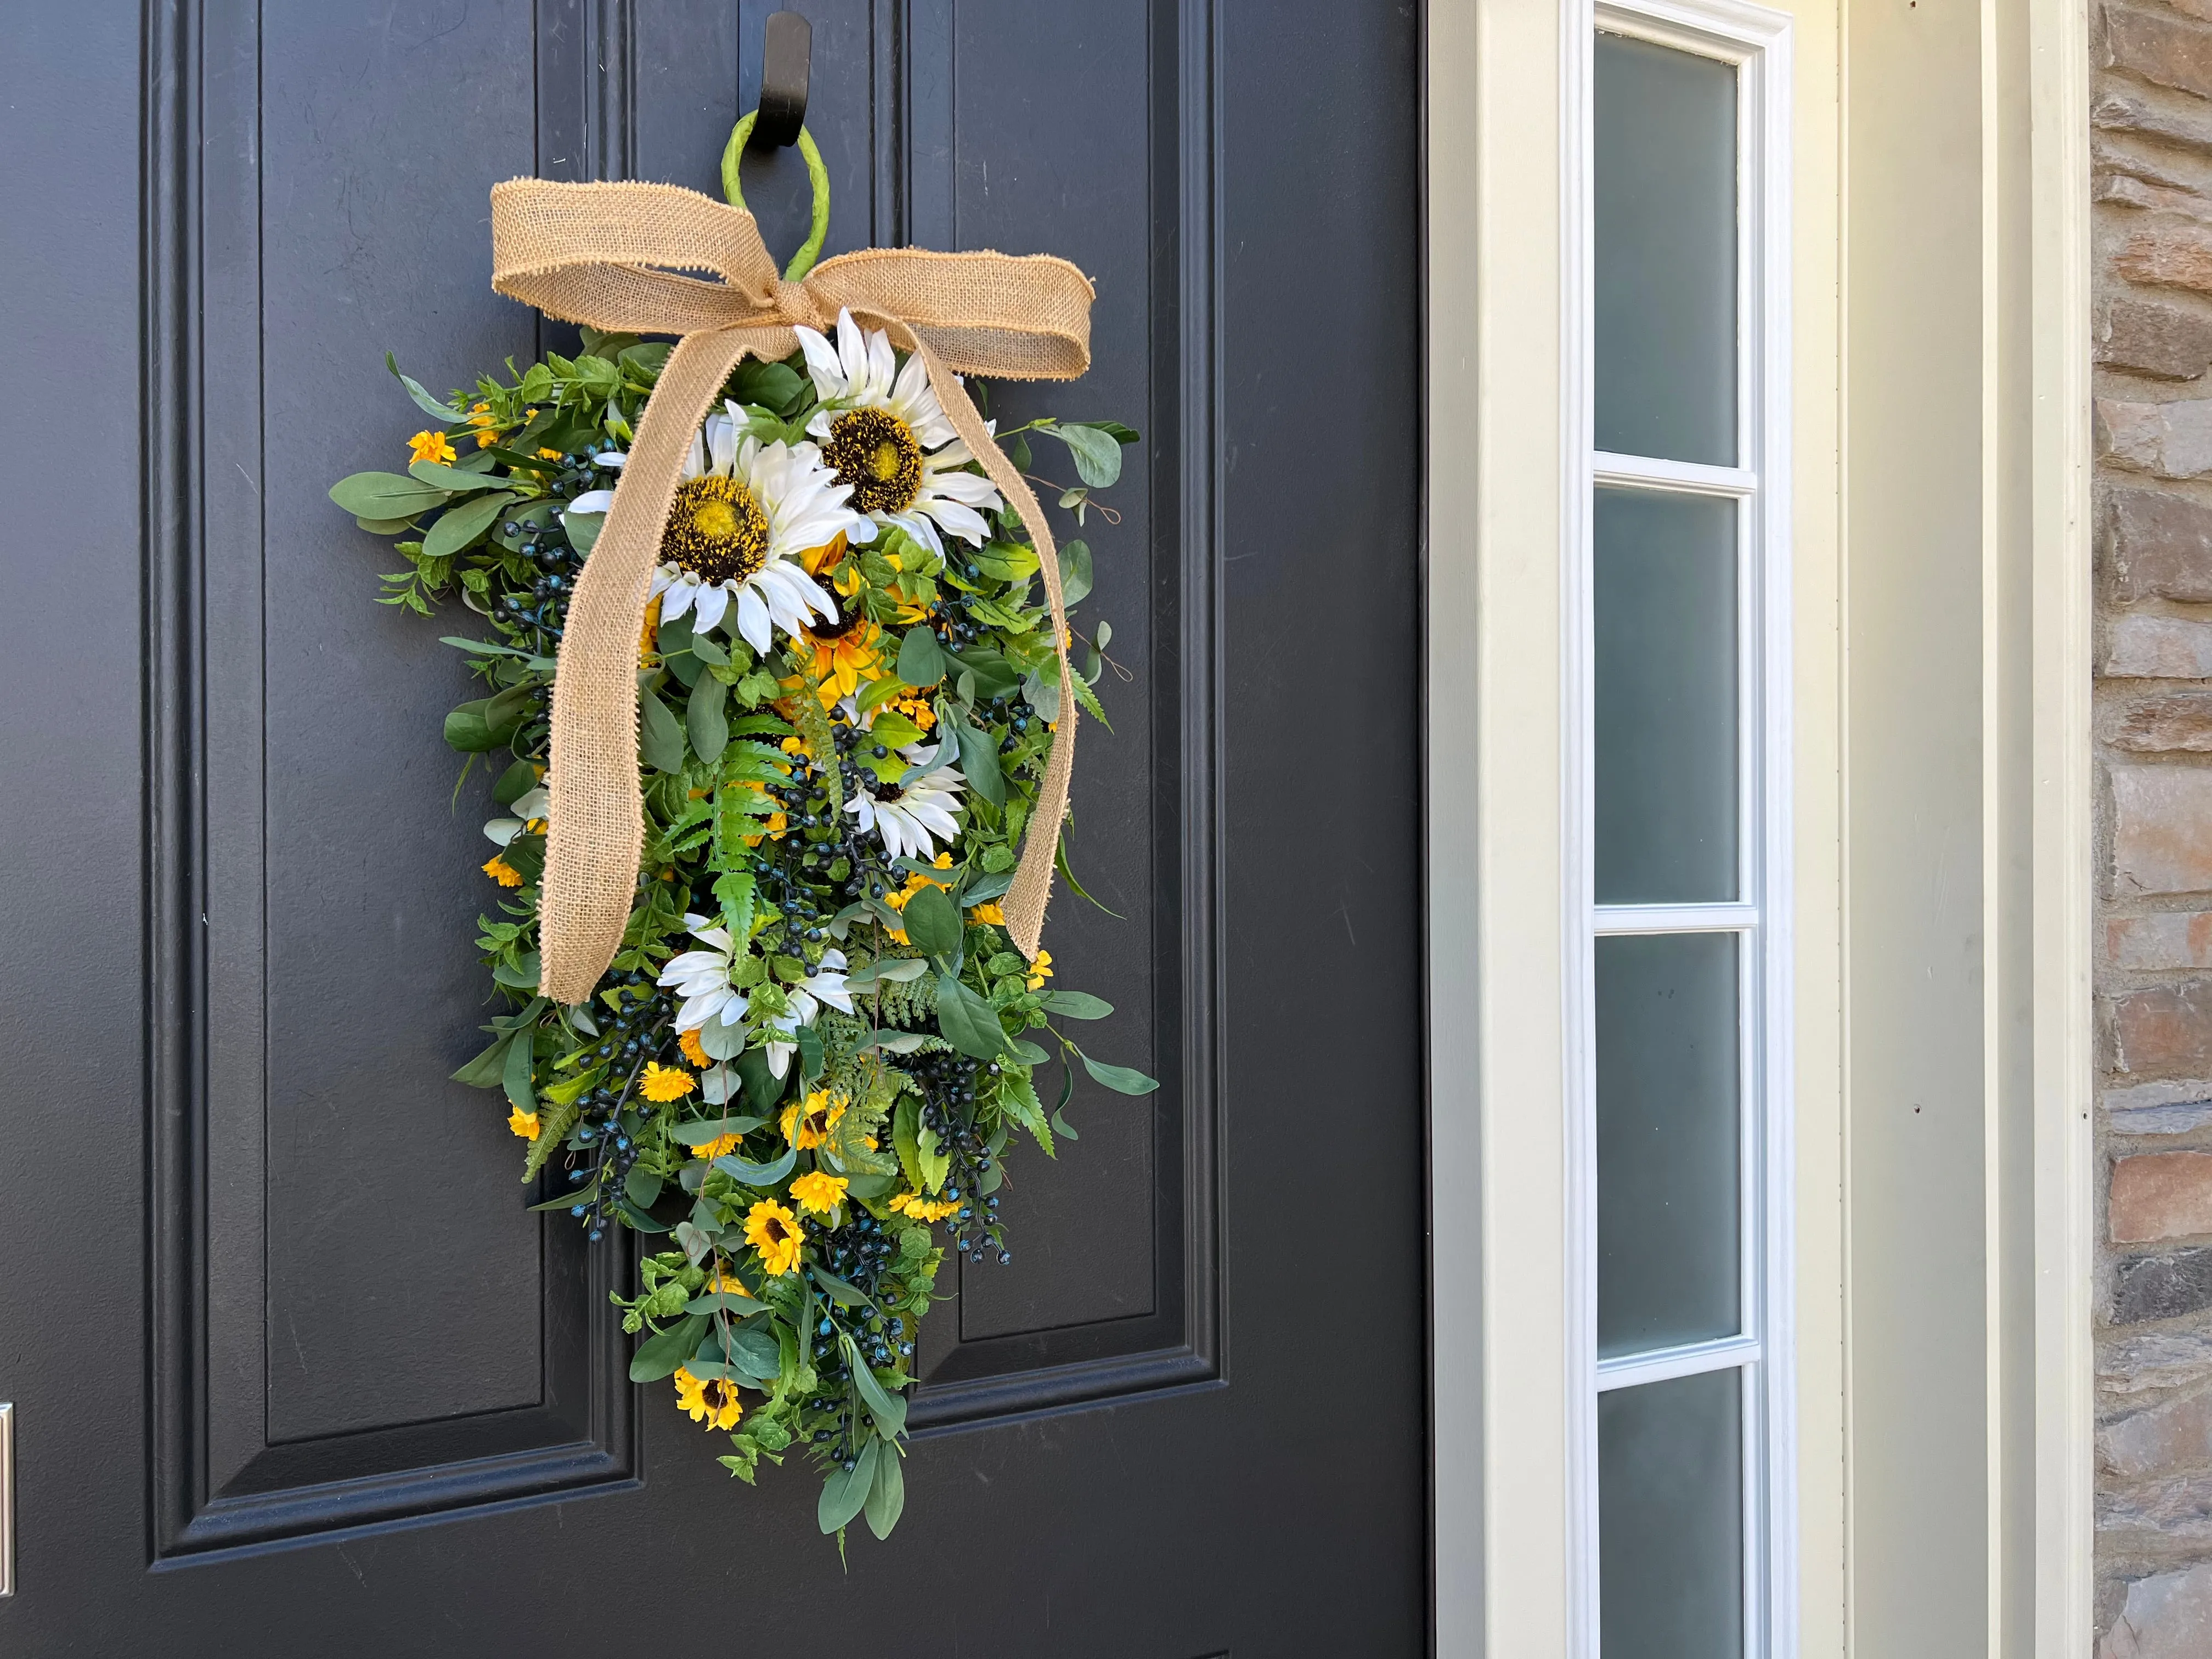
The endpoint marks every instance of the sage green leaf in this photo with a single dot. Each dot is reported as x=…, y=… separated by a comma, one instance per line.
x=888, y=1409
x=385, y=526
x=641, y=1187
x=1026, y=1052
x=932, y=922
x=906, y=1127
x=660, y=738
x=847, y=1490
x=660, y=1355
x=521, y=973
x=979, y=765
x=423, y=400
x=994, y=677
x=457, y=526
x=385, y=496
x=705, y=1130
x=583, y=529
x=969, y=1024
x=1077, y=1005
x=707, y=717
x=844, y=1295
x=514, y=1072
x=1120, y=1079
x=1075, y=572
x=757, y=1174
x=486, y=1070
x=887, y=1498
x=920, y=658
x=1097, y=456
x=708, y=648
x=729, y=1302
x=439, y=475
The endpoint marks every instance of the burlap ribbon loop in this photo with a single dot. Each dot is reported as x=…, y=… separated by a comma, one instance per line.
x=614, y=257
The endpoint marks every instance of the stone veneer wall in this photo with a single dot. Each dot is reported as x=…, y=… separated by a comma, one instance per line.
x=2151, y=106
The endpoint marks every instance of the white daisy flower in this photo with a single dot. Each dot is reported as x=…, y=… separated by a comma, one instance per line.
x=885, y=436
x=908, y=816
x=743, y=512
x=825, y=984
x=702, y=978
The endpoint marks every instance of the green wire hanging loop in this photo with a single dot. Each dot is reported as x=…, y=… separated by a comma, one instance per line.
x=817, y=175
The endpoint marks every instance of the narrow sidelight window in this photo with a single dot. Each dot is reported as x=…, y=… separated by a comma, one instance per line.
x=1680, y=1023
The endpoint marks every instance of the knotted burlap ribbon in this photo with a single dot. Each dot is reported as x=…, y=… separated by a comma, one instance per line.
x=610, y=256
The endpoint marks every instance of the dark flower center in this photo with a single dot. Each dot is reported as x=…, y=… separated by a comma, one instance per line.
x=716, y=530
x=874, y=451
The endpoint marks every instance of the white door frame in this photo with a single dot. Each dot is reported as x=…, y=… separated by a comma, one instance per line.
x=2008, y=394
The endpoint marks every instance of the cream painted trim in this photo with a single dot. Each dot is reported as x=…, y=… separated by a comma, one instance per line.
x=1497, y=974
x=2063, y=847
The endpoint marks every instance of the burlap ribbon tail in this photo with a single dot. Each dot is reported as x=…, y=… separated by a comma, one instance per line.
x=610, y=256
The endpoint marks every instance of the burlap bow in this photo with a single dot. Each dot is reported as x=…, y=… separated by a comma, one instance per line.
x=609, y=257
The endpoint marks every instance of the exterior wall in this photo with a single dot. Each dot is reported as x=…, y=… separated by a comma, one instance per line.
x=2151, y=124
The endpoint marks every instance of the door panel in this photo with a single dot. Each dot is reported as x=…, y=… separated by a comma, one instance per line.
x=346, y=1402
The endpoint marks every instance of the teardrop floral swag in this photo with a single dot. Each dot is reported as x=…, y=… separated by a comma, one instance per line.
x=812, y=1051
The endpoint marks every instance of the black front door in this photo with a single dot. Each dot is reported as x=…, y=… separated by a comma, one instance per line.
x=294, y=1370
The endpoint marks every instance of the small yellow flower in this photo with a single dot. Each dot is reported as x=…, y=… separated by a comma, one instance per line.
x=545, y=454
x=689, y=1042
x=486, y=423
x=429, y=447
x=1040, y=971
x=989, y=911
x=523, y=1123
x=819, y=1193
x=725, y=1278
x=662, y=1084
x=649, y=641
x=923, y=1209
x=918, y=710
x=501, y=872
x=717, y=1146
x=708, y=1399
x=808, y=1126
x=775, y=1232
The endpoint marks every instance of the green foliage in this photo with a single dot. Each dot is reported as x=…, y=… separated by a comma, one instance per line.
x=847, y=1127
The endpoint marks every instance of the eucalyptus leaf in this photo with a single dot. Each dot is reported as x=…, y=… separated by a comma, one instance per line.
x=847, y=1490
x=707, y=1130
x=457, y=526
x=1097, y=456
x=844, y=1295
x=887, y=1408
x=887, y=1498
x=969, y=1024
x=423, y=400
x=920, y=658
x=1075, y=573
x=707, y=719
x=721, y=1041
x=660, y=738
x=486, y=1070
x=1077, y=1005
x=895, y=970
x=583, y=529
x=932, y=923
x=762, y=1175
x=1121, y=1078
x=979, y=765
x=439, y=475
x=641, y=1187
x=514, y=1073
x=727, y=1301
x=385, y=496
x=659, y=1356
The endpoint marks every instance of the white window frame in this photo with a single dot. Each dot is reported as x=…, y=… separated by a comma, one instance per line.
x=1757, y=41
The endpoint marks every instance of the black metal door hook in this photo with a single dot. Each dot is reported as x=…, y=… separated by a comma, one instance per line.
x=787, y=52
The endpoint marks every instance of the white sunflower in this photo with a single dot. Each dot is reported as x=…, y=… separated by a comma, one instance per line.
x=885, y=436
x=908, y=816
x=743, y=513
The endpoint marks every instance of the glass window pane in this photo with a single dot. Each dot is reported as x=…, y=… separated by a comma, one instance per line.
x=1665, y=647
x=1670, y=1519
x=1665, y=228
x=1666, y=1133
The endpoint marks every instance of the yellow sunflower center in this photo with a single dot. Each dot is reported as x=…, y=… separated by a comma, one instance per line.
x=875, y=452
x=716, y=530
